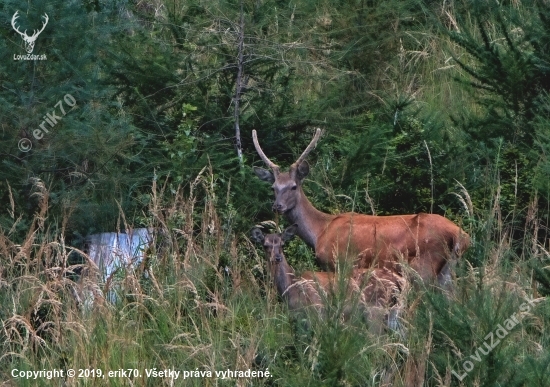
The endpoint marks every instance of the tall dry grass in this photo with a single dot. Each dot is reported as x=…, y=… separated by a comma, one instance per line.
x=201, y=301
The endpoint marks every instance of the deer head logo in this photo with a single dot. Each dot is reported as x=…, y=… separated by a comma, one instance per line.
x=29, y=40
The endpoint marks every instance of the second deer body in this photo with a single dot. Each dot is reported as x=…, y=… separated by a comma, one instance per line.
x=373, y=291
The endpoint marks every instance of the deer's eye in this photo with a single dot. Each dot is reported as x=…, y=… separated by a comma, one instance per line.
x=293, y=188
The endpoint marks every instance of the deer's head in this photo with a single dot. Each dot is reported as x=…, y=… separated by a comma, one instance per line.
x=29, y=40
x=287, y=186
x=273, y=243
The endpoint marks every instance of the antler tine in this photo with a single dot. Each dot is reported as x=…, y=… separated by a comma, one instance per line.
x=309, y=148
x=267, y=161
x=13, y=19
x=44, y=24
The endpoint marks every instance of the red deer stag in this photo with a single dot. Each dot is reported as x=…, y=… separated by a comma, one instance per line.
x=376, y=289
x=427, y=242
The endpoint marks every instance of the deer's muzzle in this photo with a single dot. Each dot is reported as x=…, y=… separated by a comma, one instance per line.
x=279, y=208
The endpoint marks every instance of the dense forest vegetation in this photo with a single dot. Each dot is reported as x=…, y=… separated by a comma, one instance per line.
x=145, y=111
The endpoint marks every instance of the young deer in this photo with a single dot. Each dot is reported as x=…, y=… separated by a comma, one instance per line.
x=374, y=289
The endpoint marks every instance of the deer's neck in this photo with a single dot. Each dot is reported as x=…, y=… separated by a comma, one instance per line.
x=283, y=276
x=311, y=222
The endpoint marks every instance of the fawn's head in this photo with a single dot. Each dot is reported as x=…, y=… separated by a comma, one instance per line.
x=273, y=243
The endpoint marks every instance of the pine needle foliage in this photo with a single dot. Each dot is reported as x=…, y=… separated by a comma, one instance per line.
x=88, y=157
x=505, y=68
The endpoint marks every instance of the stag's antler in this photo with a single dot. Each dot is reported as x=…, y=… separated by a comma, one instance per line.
x=15, y=16
x=44, y=24
x=309, y=148
x=267, y=161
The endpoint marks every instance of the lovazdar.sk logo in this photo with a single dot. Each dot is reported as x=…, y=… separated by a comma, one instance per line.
x=29, y=40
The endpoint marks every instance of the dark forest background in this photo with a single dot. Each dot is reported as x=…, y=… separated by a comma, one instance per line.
x=414, y=98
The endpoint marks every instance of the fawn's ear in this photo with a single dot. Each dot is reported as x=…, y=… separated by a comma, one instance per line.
x=257, y=235
x=289, y=233
x=264, y=174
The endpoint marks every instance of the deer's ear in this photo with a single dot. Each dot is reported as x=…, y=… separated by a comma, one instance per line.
x=303, y=170
x=264, y=174
x=289, y=233
x=257, y=235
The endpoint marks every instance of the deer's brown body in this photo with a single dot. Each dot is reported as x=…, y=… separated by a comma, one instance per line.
x=426, y=242
x=373, y=291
